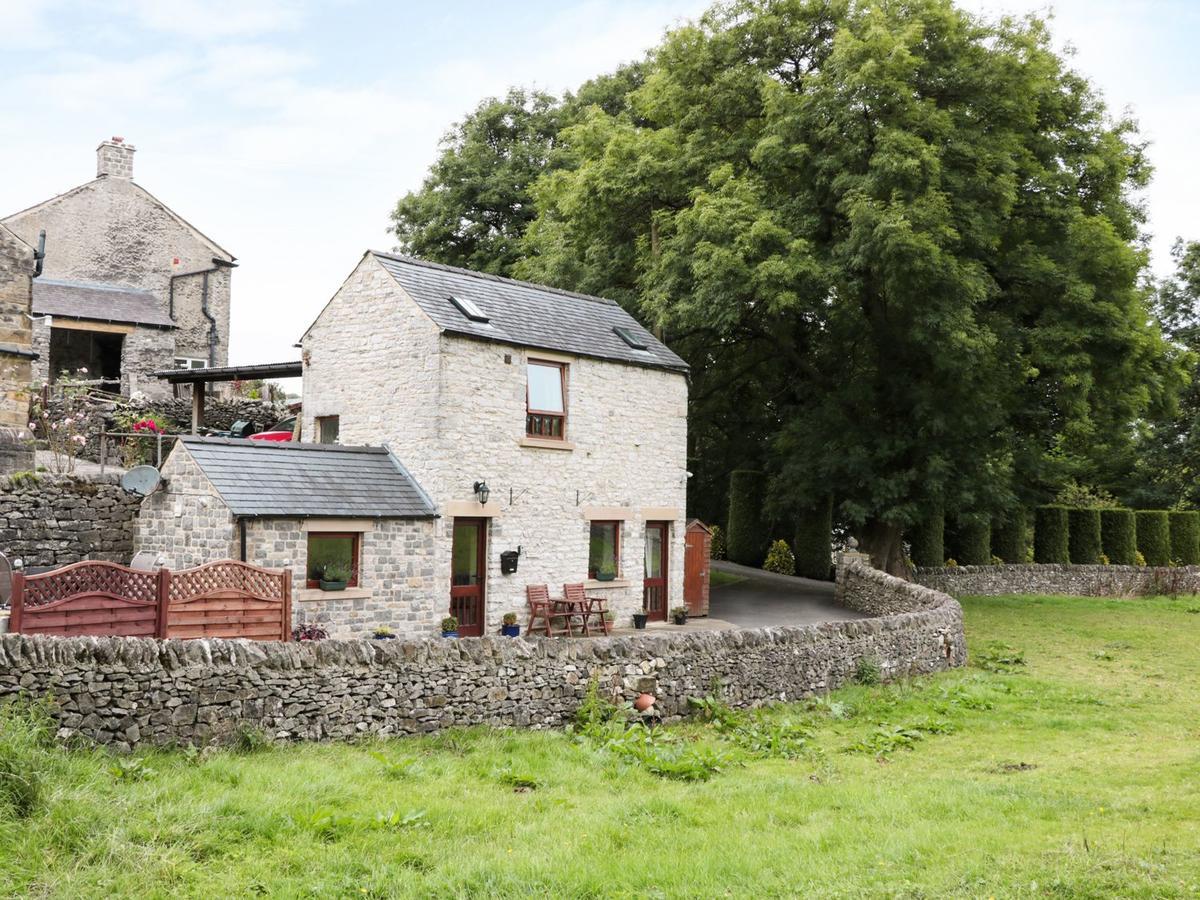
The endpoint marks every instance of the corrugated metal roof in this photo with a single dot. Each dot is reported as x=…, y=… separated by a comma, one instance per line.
x=100, y=302
x=260, y=479
x=233, y=373
x=526, y=315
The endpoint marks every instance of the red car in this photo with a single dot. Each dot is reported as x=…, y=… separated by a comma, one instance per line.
x=280, y=431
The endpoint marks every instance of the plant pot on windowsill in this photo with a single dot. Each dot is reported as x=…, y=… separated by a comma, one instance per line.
x=450, y=627
x=606, y=576
x=639, y=621
x=333, y=578
x=510, y=628
x=332, y=585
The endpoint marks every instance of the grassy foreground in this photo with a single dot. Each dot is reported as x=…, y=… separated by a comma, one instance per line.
x=1074, y=772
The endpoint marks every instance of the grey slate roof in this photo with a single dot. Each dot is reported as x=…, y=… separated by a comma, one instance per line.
x=101, y=302
x=259, y=479
x=526, y=315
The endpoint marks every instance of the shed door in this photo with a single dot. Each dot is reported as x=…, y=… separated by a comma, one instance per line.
x=695, y=571
x=468, y=569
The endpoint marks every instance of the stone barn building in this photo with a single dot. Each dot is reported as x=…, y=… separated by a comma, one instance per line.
x=129, y=287
x=538, y=420
x=18, y=263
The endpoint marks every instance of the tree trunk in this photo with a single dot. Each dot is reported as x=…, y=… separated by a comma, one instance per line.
x=884, y=543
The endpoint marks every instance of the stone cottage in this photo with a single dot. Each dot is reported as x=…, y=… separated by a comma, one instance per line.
x=18, y=264
x=303, y=507
x=539, y=421
x=129, y=287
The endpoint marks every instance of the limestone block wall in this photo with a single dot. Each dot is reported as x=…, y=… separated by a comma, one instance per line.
x=16, y=343
x=186, y=522
x=110, y=230
x=1061, y=579
x=453, y=411
x=126, y=692
x=53, y=520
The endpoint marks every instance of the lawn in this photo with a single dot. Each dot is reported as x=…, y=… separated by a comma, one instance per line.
x=1064, y=762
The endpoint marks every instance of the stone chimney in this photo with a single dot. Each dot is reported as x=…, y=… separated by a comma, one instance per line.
x=114, y=158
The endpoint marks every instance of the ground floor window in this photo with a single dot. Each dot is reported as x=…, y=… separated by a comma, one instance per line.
x=333, y=556
x=604, y=553
x=190, y=362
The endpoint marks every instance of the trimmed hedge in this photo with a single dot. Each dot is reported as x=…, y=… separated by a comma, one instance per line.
x=814, y=529
x=1010, y=538
x=1185, y=537
x=746, y=536
x=1154, y=536
x=1118, y=536
x=1083, y=536
x=928, y=540
x=973, y=542
x=1051, y=542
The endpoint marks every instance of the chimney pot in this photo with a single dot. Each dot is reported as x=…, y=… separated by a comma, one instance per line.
x=114, y=158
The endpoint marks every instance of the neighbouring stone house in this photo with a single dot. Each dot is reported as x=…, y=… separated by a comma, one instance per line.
x=301, y=506
x=128, y=286
x=18, y=263
x=538, y=420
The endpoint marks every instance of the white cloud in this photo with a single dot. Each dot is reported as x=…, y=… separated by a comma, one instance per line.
x=208, y=20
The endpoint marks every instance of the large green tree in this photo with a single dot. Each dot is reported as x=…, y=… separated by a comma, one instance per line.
x=897, y=243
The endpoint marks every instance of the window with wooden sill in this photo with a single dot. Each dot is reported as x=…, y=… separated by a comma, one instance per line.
x=546, y=400
x=604, y=551
x=332, y=549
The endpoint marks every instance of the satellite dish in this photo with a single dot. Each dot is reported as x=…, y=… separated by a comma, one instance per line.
x=141, y=480
x=6, y=570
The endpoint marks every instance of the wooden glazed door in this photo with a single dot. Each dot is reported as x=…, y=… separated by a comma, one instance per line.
x=468, y=569
x=654, y=587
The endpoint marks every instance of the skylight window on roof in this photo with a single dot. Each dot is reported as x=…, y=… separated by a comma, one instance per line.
x=631, y=337
x=469, y=309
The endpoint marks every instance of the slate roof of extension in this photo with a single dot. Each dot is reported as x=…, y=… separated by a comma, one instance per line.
x=527, y=315
x=99, y=302
x=262, y=480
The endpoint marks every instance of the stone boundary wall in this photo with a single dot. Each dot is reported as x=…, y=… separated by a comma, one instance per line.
x=124, y=692
x=53, y=520
x=1056, y=578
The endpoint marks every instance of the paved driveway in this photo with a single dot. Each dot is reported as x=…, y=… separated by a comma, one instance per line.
x=766, y=599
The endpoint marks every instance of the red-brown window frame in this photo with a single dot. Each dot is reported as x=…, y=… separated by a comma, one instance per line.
x=616, y=523
x=355, y=555
x=537, y=420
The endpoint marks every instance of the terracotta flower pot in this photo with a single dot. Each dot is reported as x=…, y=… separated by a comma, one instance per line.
x=644, y=702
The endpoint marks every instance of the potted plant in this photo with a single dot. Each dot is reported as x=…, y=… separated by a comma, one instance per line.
x=510, y=628
x=309, y=632
x=679, y=614
x=606, y=575
x=450, y=627
x=383, y=633
x=639, y=620
x=334, y=577
x=609, y=618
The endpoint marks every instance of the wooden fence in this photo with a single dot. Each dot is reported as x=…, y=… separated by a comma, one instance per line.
x=227, y=599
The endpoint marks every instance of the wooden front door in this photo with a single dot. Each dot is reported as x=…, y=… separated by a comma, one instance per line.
x=654, y=587
x=468, y=570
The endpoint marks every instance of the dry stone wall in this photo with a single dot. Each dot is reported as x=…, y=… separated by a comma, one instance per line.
x=53, y=520
x=1067, y=580
x=124, y=692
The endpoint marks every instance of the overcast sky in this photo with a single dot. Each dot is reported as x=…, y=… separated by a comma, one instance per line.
x=286, y=130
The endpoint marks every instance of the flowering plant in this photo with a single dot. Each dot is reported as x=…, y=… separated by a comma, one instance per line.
x=61, y=427
x=147, y=426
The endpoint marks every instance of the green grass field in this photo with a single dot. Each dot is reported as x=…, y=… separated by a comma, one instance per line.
x=1072, y=773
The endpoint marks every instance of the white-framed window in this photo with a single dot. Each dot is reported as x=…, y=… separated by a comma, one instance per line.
x=189, y=362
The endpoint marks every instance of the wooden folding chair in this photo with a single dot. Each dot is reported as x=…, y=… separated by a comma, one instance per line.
x=542, y=608
x=587, y=607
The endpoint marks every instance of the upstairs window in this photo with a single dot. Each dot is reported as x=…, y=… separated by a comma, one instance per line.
x=188, y=362
x=546, y=400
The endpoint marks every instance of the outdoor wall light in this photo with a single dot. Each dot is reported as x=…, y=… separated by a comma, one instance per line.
x=482, y=491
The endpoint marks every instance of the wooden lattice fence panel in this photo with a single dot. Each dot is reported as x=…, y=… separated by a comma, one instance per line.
x=229, y=599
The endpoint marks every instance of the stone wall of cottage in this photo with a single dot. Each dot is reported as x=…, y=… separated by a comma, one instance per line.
x=1061, y=579
x=453, y=411
x=111, y=231
x=126, y=692
x=16, y=274
x=396, y=575
x=53, y=520
x=186, y=521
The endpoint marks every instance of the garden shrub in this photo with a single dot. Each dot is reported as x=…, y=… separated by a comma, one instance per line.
x=928, y=539
x=1118, y=536
x=1050, y=535
x=717, y=548
x=746, y=538
x=814, y=527
x=1009, y=537
x=1083, y=536
x=1154, y=536
x=780, y=559
x=971, y=542
x=1184, y=527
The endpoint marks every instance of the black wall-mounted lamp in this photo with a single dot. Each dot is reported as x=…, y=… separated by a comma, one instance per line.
x=482, y=491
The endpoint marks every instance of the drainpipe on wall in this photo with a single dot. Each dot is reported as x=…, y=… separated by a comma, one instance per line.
x=39, y=257
x=242, y=537
x=213, y=337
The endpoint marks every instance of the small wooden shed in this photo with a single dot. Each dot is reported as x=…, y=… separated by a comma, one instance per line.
x=696, y=556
